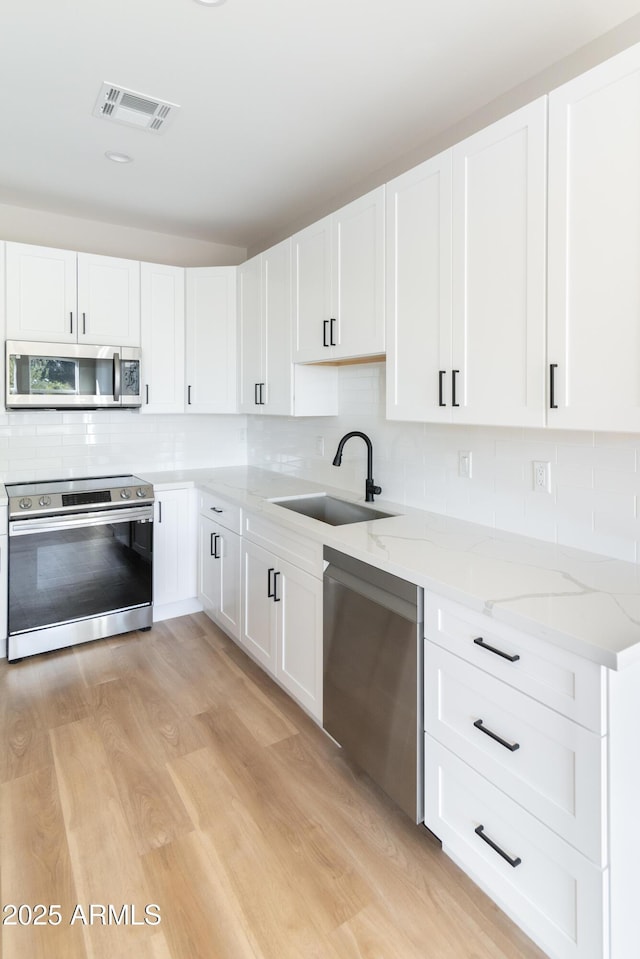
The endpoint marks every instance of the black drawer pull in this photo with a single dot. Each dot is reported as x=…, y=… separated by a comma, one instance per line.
x=552, y=386
x=479, y=831
x=492, y=649
x=216, y=509
x=503, y=742
x=325, y=330
x=276, y=598
x=454, y=374
x=441, y=375
x=270, y=589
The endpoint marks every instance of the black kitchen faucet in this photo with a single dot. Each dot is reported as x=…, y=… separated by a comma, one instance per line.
x=370, y=487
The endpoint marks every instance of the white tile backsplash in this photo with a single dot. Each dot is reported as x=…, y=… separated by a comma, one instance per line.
x=51, y=444
x=595, y=481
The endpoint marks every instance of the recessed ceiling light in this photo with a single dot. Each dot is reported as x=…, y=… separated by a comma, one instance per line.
x=212, y=3
x=118, y=157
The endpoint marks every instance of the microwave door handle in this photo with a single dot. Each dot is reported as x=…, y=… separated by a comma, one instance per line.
x=116, y=377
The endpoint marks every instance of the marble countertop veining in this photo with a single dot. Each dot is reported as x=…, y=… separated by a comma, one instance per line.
x=586, y=603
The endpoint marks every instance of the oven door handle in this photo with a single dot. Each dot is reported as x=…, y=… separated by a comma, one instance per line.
x=50, y=524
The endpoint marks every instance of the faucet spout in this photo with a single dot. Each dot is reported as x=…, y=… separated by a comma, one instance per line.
x=370, y=487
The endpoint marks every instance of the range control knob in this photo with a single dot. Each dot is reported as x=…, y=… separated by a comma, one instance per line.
x=44, y=501
x=25, y=503
x=141, y=492
x=125, y=494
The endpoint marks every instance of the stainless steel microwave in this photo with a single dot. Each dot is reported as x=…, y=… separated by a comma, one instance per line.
x=63, y=376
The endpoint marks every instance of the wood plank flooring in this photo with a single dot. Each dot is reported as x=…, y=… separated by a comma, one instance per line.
x=166, y=768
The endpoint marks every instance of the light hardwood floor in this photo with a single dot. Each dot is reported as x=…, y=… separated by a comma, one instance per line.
x=166, y=768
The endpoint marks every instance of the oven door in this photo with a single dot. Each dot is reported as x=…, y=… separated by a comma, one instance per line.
x=77, y=578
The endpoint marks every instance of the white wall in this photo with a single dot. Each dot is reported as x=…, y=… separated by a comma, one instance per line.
x=50, y=445
x=595, y=481
x=24, y=225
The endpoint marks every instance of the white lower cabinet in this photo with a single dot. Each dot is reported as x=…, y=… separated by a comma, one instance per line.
x=282, y=623
x=531, y=780
x=174, y=554
x=552, y=891
x=219, y=574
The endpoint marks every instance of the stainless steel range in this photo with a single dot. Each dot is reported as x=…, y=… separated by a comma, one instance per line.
x=80, y=561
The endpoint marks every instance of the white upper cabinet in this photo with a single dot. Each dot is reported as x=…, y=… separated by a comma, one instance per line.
x=499, y=251
x=41, y=297
x=338, y=280
x=419, y=291
x=108, y=300
x=63, y=297
x=250, y=336
x=594, y=248
x=162, y=318
x=211, y=339
x=264, y=311
x=269, y=383
x=466, y=279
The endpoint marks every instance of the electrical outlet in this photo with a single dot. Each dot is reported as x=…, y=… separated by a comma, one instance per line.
x=464, y=464
x=320, y=445
x=541, y=476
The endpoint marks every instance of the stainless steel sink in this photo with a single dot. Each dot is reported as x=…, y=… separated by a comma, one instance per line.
x=330, y=509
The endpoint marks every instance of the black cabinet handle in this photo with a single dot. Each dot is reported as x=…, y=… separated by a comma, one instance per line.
x=211, y=546
x=262, y=385
x=552, y=386
x=441, y=375
x=216, y=538
x=325, y=329
x=71, y=322
x=216, y=509
x=332, y=342
x=147, y=394
x=503, y=742
x=270, y=589
x=256, y=401
x=454, y=374
x=84, y=323
x=188, y=396
x=479, y=831
x=479, y=641
x=159, y=510
x=276, y=598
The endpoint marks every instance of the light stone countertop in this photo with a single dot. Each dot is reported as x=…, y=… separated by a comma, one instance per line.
x=585, y=603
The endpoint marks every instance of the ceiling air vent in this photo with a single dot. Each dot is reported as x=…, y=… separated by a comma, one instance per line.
x=133, y=109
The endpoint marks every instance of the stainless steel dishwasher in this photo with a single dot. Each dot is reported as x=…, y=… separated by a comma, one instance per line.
x=373, y=655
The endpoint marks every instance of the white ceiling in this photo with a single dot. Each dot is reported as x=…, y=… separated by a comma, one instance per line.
x=285, y=104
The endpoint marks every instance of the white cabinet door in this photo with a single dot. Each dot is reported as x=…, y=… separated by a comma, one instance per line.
x=338, y=283
x=311, y=265
x=499, y=232
x=175, y=546
x=299, y=641
x=258, y=607
x=219, y=575
x=211, y=339
x=250, y=336
x=41, y=300
x=276, y=324
x=108, y=300
x=594, y=248
x=418, y=292
x=357, y=277
x=162, y=316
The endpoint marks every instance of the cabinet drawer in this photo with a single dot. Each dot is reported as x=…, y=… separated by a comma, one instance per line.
x=547, y=763
x=302, y=551
x=221, y=510
x=569, y=684
x=550, y=890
